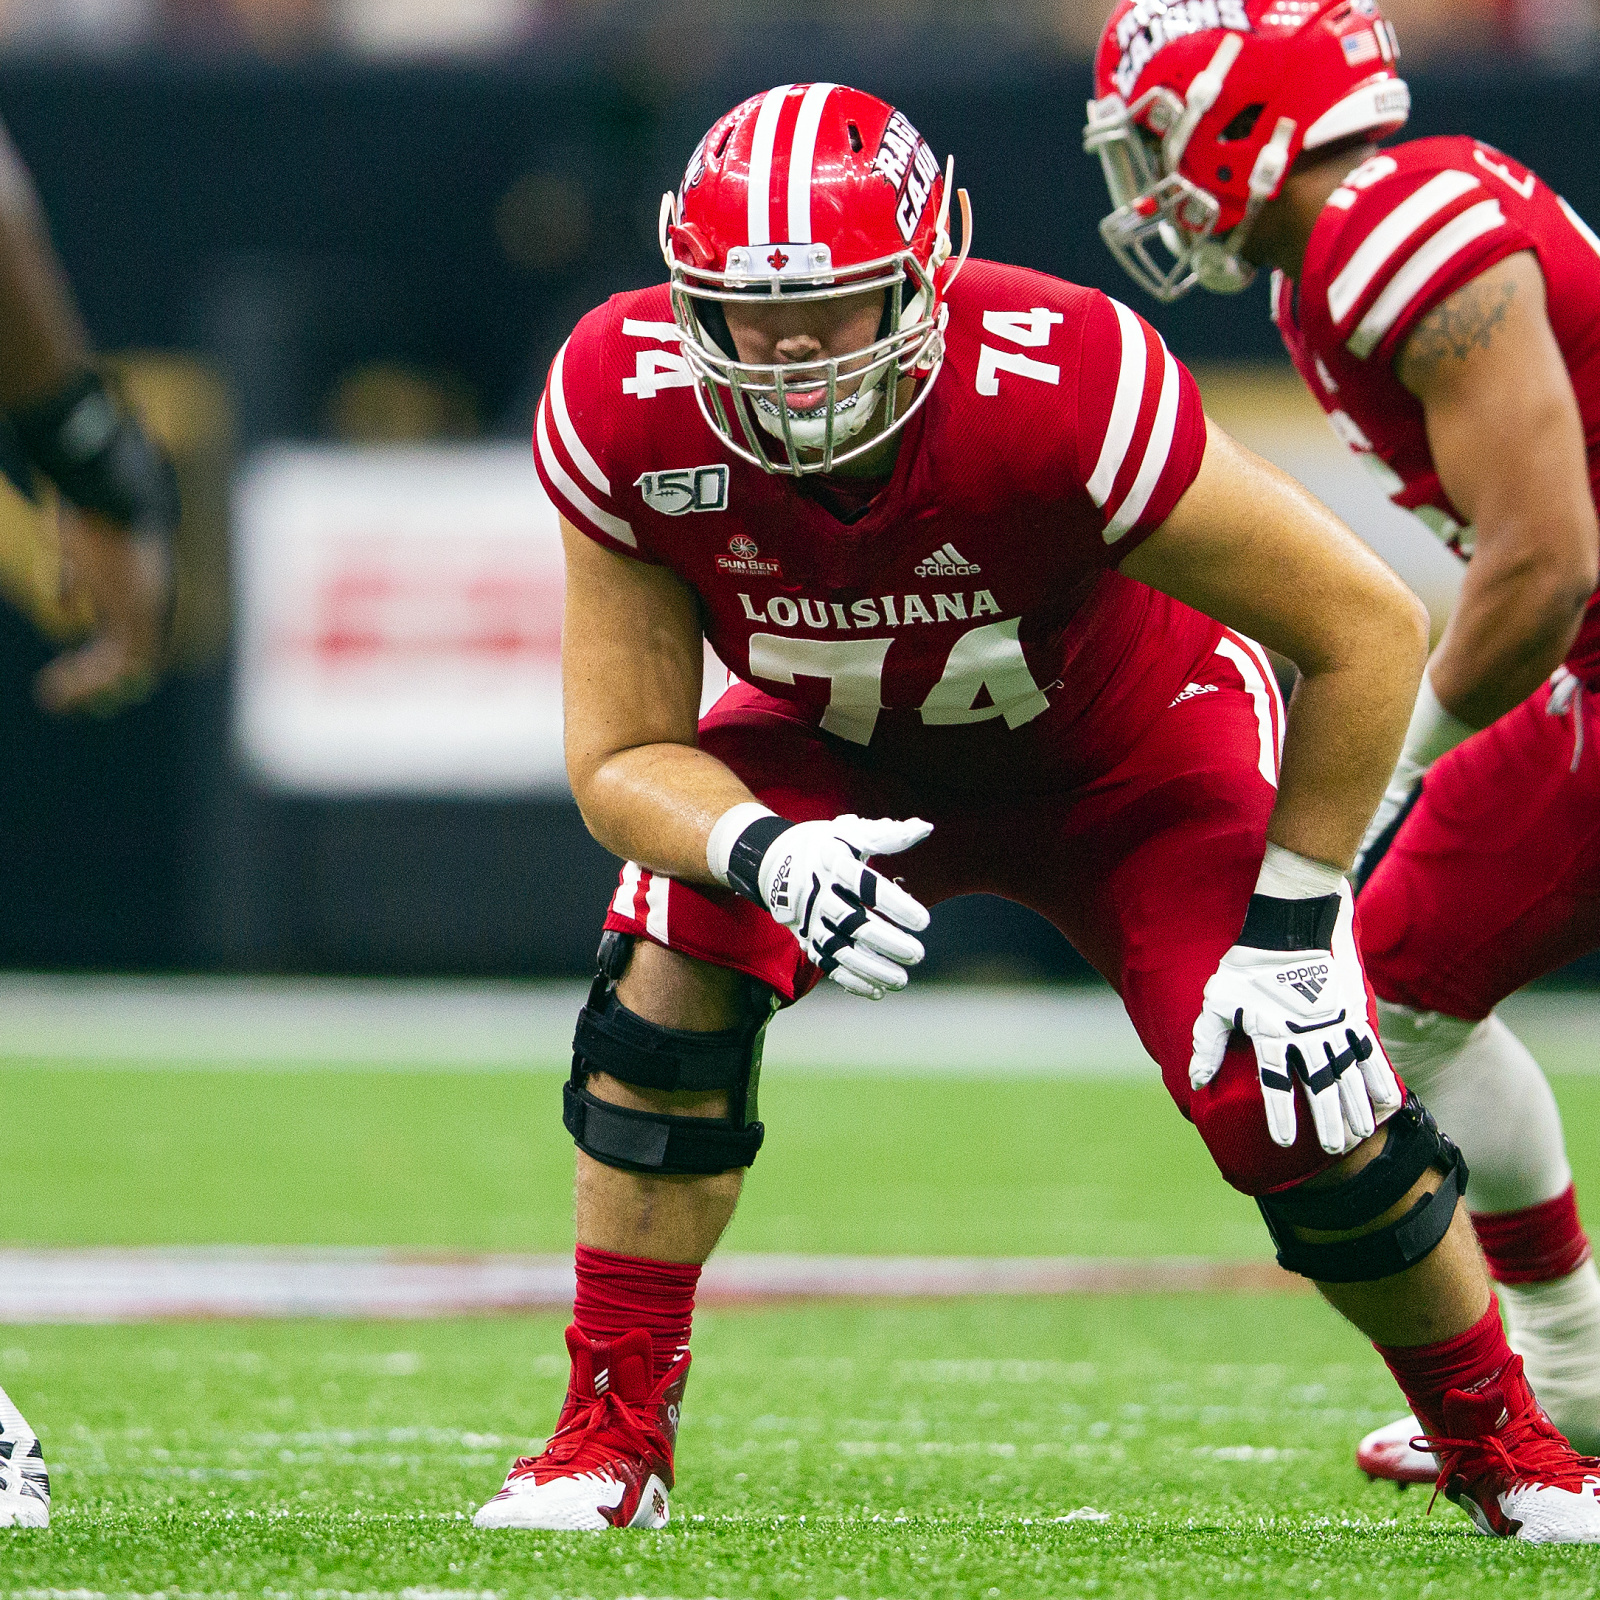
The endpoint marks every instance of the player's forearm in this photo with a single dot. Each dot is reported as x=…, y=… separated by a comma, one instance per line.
x=656, y=805
x=42, y=340
x=1346, y=724
x=1513, y=624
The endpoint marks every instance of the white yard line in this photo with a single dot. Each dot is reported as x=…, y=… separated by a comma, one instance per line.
x=954, y=1029
x=224, y=1022
x=225, y=1281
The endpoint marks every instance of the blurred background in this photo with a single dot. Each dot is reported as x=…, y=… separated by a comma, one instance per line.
x=334, y=245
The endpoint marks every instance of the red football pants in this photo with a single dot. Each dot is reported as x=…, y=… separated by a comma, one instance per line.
x=1148, y=869
x=1494, y=878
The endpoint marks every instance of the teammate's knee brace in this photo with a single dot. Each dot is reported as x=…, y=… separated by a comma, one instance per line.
x=613, y=1040
x=1412, y=1145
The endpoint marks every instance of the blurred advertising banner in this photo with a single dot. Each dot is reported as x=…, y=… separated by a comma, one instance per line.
x=399, y=617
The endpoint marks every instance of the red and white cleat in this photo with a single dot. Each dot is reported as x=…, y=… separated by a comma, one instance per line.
x=609, y=1462
x=1387, y=1452
x=1506, y=1464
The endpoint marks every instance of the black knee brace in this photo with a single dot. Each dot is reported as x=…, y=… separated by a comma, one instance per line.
x=1413, y=1143
x=610, y=1038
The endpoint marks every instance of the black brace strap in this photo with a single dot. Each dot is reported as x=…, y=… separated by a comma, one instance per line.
x=1412, y=1145
x=610, y=1038
x=614, y=1040
x=1274, y=924
x=94, y=451
x=652, y=1141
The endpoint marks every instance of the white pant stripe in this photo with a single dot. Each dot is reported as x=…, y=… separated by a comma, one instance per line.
x=1264, y=697
x=626, y=891
x=656, y=889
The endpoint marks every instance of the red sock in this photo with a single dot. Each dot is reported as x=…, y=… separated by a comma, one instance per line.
x=1426, y=1371
x=619, y=1293
x=1535, y=1244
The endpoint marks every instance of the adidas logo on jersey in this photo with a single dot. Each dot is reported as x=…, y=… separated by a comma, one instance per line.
x=1306, y=981
x=946, y=562
x=1190, y=690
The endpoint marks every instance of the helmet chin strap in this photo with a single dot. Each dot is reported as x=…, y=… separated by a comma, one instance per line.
x=1219, y=264
x=811, y=433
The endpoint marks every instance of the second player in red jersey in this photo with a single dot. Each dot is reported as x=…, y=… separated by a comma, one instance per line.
x=1443, y=305
x=987, y=582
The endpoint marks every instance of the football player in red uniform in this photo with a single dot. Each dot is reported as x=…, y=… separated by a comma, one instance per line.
x=1443, y=305
x=989, y=586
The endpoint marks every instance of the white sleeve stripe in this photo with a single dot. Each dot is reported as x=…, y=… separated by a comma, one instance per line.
x=585, y=462
x=802, y=156
x=667, y=332
x=1379, y=245
x=1124, y=407
x=1592, y=239
x=1415, y=275
x=615, y=526
x=1155, y=455
x=758, y=184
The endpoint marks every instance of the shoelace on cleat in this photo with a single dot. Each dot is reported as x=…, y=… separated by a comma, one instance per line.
x=1530, y=1447
x=590, y=1438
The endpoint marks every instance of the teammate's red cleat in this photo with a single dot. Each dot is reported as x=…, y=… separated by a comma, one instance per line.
x=1508, y=1467
x=609, y=1462
x=1387, y=1452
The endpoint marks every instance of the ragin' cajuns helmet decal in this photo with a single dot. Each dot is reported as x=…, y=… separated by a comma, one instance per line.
x=1202, y=108
x=810, y=191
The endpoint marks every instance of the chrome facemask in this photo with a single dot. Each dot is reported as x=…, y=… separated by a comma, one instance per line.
x=756, y=397
x=1162, y=229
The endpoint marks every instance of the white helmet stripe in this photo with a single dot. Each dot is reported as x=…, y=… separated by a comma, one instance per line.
x=802, y=157
x=758, y=198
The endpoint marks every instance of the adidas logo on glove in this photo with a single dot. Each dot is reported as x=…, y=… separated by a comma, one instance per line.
x=779, y=894
x=1308, y=981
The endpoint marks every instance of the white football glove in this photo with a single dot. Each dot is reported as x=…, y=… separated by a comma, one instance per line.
x=1294, y=984
x=854, y=923
x=1432, y=732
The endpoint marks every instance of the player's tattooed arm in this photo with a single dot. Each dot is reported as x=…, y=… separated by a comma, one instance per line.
x=1507, y=441
x=1467, y=321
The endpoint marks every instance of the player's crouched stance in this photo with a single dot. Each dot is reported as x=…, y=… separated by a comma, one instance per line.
x=963, y=545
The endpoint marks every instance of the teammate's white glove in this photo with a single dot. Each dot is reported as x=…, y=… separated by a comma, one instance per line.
x=1432, y=732
x=855, y=924
x=1294, y=984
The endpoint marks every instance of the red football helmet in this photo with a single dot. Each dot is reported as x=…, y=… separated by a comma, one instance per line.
x=1203, y=107
x=810, y=191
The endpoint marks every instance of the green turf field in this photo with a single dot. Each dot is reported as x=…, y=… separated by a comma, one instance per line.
x=338, y=1459
x=863, y=1452
x=479, y=1161
x=856, y=1452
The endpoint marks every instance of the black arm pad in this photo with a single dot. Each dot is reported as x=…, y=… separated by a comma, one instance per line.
x=99, y=457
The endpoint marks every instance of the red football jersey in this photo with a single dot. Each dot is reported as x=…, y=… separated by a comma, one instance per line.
x=976, y=592
x=1403, y=232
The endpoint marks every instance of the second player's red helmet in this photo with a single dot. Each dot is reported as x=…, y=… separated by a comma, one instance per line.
x=1203, y=106
x=809, y=191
